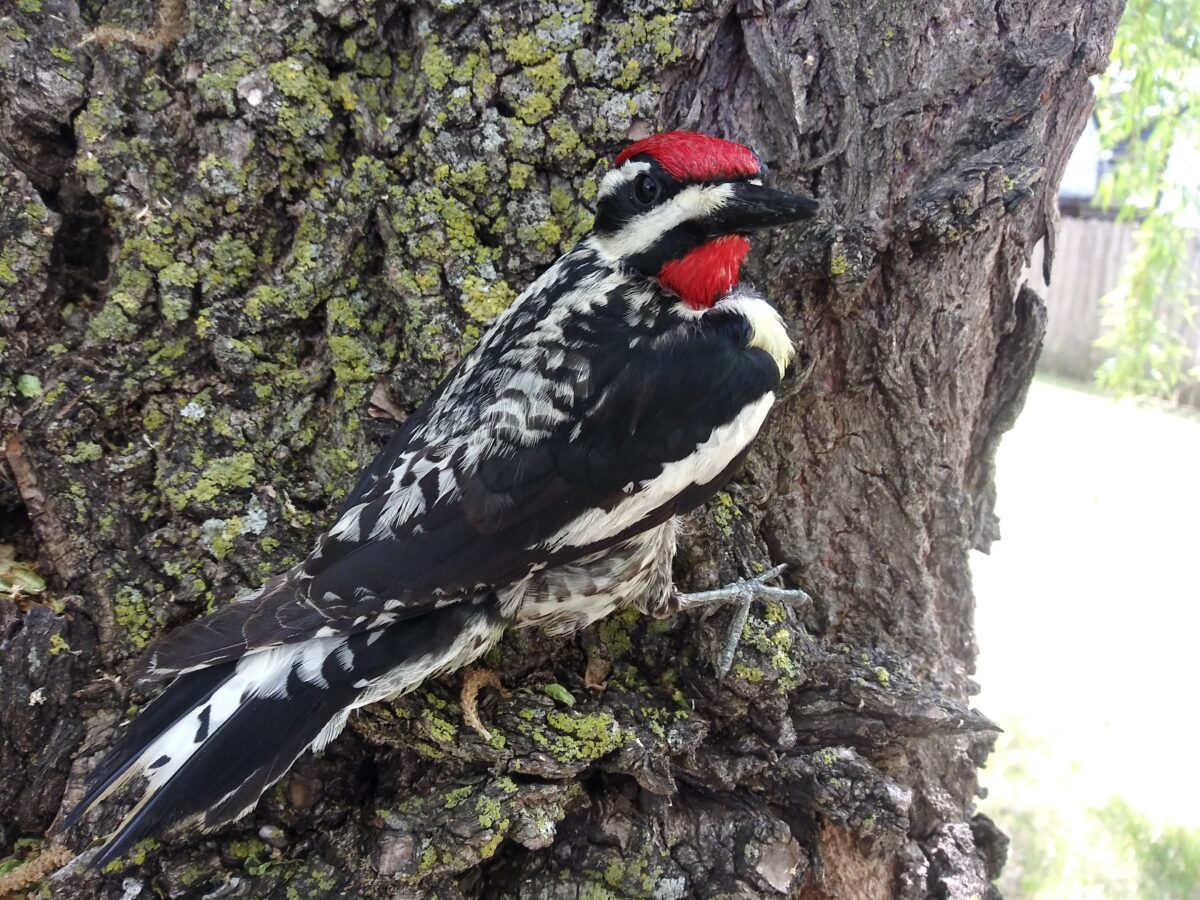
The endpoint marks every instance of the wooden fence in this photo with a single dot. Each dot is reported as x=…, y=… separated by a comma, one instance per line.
x=1087, y=265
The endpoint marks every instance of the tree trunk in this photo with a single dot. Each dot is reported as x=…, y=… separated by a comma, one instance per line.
x=239, y=239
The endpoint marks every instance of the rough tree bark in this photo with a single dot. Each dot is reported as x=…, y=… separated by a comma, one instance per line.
x=238, y=239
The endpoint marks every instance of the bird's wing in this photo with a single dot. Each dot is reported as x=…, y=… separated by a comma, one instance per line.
x=650, y=431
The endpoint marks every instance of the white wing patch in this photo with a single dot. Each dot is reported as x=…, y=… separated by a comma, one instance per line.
x=347, y=528
x=403, y=501
x=701, y=466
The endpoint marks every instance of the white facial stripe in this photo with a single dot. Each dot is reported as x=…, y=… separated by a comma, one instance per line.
x=693, y=202
x=615, y=179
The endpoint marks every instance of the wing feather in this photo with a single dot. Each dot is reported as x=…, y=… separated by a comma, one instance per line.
x=436, y=518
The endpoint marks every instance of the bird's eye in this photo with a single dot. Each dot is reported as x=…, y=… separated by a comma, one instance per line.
x=646, y=189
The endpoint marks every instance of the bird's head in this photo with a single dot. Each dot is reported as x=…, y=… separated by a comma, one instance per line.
x=679, y=207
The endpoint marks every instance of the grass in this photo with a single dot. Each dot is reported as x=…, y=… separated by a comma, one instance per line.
x=1087, y=621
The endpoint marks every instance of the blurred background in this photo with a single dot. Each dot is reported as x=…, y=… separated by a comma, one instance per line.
x=1096, y=583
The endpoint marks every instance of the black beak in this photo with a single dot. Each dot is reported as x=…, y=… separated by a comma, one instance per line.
x=753, y=206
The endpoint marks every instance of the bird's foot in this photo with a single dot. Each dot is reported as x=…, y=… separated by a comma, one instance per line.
x=743, y=592
x=473, y=681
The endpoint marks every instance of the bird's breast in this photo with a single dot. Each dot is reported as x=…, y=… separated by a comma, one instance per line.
x=767, y=330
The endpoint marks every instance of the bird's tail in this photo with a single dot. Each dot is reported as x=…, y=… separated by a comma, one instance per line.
x=205, y=750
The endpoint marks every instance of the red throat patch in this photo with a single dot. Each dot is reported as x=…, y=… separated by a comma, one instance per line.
x=708, y=272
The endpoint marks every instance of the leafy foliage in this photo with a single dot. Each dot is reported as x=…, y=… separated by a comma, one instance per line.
x=1150, y=119
x=1167, y=856
x=1064, y=847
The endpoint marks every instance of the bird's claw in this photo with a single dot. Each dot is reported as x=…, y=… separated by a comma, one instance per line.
x=473, y=680
x=743, y=592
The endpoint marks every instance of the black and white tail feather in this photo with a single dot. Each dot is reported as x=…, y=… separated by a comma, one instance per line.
x=203, y=751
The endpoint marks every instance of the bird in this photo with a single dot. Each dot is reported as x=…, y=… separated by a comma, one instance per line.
x=539, y=485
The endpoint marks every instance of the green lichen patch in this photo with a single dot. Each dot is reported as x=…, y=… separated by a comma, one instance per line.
x=27, y=231
x=29, y=386
x=724, y=511
x=768, y=652
x=136, y=620
x=473, y=820
x=615, y=631
x=442, y=730
x=238, y=470
x=641, y=874
x=308, y=85
x=581, y=736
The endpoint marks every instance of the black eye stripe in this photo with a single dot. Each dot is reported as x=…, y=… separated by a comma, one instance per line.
x=668, y=187
x=618, y=209
x=673, y=244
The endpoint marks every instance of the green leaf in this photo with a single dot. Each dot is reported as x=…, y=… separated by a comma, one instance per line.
x=18, y=575
x=1149, y=113
x=559, y=693
x=29, y=385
